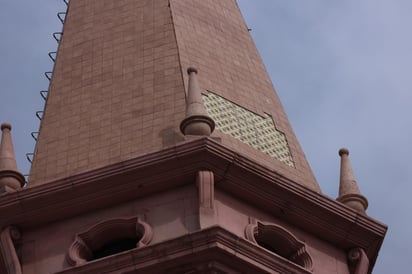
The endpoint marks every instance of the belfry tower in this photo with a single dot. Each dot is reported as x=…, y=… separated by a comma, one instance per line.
x=164, y=148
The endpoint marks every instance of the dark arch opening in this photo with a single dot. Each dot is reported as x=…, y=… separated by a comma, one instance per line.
x=281, y=242
x=109, y=238
x=114, y=247
x=270, y=248
x=276, y=244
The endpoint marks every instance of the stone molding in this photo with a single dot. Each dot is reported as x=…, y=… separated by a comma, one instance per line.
x=81, y=250
x=176, y=166
x=296, y=249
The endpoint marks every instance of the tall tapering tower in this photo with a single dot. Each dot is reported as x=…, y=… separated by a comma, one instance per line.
x=164, y=148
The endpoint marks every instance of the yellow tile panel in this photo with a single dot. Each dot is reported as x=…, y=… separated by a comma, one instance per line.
x=255, y=130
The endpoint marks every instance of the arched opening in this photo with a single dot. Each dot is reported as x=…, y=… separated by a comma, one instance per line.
x=279, y=241
x=108, y=238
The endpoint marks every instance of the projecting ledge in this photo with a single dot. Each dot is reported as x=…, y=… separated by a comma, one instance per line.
x=176, y=166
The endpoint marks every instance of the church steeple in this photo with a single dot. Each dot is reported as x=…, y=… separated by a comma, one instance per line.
x=120, y=185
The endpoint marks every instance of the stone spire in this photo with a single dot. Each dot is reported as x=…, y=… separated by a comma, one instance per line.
x=349, y=193
x=197, y=122
x=10, y=178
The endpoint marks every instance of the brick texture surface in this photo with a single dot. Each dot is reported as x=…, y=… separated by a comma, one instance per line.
x=118, y=87
x=117, y=90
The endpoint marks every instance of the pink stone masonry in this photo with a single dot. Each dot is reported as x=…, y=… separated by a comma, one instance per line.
x=119, y=85
x=116, y=92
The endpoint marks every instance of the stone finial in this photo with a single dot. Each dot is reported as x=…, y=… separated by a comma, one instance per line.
x=197, y=122
x=349, y=193
x=10, y=178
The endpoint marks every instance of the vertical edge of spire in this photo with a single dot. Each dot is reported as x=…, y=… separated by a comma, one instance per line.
x=197, y=122
x=10, y=178
x=349, y=193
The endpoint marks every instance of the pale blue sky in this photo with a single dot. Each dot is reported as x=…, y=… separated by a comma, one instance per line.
x=343, y=72
x=341, y=68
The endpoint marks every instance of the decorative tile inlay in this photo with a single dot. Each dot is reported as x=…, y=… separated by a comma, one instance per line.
x=250, y=128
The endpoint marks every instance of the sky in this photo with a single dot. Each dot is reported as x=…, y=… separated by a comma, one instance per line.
x=341, y=68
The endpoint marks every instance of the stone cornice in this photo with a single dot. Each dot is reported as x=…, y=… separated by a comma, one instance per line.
x=234, y=173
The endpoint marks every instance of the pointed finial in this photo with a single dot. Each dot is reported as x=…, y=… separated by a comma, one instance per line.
x=349, y=193
x=197, y=122
x=10, y=178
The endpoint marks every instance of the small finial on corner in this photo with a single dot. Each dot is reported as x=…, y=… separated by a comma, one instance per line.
x=192, y=69
x=349, y=193
x=5, y=126
x=10, y=178
x=197, y=122
x=343, y=151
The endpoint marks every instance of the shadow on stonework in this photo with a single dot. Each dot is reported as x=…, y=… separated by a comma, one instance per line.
x=170, y=136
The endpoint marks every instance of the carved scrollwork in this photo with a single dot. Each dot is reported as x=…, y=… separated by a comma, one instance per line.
x=358, y=261
x=87, y=242
x=8, y=250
